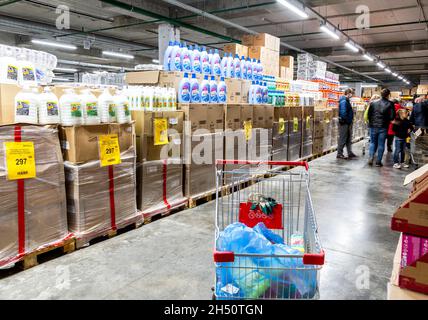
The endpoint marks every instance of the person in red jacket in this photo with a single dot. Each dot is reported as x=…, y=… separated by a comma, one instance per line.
x=391, y=133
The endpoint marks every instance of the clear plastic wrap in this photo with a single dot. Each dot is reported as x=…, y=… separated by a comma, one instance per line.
x=160, y=186
x=45, y=218
x=307, y=131
x=92, y=197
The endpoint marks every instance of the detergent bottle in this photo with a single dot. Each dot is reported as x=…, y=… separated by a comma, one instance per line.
x=184, y=89
x=249, y=69
x=195, y=95
x=205, y=61
x=26, y=105
x=205, y=90
x=186, y=63
x=196, y=60
x=216, y=64
x=230, y=71
x=175, y=61
x=167, y=56
x=48, y=107
x=222, y=91
x=243, y=68
x=223, y=66
x=213, y=90
x=237, y=67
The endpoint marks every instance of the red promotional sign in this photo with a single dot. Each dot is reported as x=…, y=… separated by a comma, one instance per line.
x=253, y=217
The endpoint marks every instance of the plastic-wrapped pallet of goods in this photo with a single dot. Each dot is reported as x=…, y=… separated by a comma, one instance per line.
x=328, y=126
x=295, y=133
x=307, y=129
x=43, y=222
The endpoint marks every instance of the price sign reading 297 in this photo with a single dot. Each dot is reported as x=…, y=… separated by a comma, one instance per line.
x=109, y=150
x=20, y=160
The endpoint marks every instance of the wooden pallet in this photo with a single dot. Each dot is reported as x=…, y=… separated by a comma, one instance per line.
x=33, y=258
x=151, y=218
x=95, y=237
x=201, y=199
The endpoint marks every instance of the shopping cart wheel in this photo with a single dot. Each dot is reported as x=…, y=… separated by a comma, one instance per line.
x=213, y=296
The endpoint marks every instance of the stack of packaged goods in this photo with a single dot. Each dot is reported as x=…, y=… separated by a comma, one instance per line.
x=286, y=65
x=264, y=48
x=328, y=128
x=303, y=65
x=307, y=129
x=280, y=134
x=33, y=211
x=239, y=136
x=419, y=147
x=409, y=279
x=332, y=86
x=359, y=126
x=295, y=133
x=159, y=138
x=335, y=127
x=100, y=178
x=318, y=131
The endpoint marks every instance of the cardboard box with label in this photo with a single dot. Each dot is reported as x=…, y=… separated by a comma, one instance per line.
x=422, y=89
x=286, y=73
x=160, y=186
x=234, y=90
x=158, y=134
x=167, y=79
x=287, y=61
x=45, y=206
x=245, y=91
x=235, y=48
x=263, y=116
x=295, y=133
x=80, y=143
x=232, y=115
x=203, y=116
x=280, y=133
x=262, y=40
x=307, y=130
x=268, y=58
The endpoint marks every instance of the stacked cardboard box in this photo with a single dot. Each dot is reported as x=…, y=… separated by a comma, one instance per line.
x=328, y=127
x=295, y=133
x=286, y=67
x=160, y=164
x=99, y=199
x=335, y=127
x=7, y=103
x=41, y=220
x=235, y=48
x=318, y=131
x=264, y=47
x=419, y=147
x=307, y=129
x=422, y=89
x=237, y=90
x=280, y=134
x=411, y=219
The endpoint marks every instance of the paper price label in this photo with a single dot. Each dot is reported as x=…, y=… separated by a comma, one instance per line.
x=160, y=131
x=281, y=126
x=248, y=130
x=109, y=150
x=20, y=161
x=295, y=124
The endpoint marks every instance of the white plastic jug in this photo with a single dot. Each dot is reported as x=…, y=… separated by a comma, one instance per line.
x=122, y=107
x=48, y=107
x=26, y=72
x=89, y=107
x=70, y=107
x=107, y=107
x=8, y=66
x=26, y=103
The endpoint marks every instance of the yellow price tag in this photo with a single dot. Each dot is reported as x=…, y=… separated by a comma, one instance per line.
x=248, y=130
x=109, y=150
x=20, y=160
x=161, y=131
x=295, y=124
x=281, y=126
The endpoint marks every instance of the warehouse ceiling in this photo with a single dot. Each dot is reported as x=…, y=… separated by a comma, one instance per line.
x=397, y=33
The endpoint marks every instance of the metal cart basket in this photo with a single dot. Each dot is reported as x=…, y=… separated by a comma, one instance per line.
x=248, y=275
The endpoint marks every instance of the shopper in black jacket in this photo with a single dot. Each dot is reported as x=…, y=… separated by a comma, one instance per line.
x=380, y=114
x=402, y=128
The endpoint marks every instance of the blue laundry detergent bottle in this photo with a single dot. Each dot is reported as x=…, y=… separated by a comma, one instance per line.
x=222, y=91
x=195, y=96
x=167, y=56
x=184, y=89
x=213, y=90
x=205, y=90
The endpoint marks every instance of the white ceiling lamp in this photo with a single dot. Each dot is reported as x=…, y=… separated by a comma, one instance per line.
x=369, y=85
x=331, y=33
x=54, y=44
x=395, y=74
x=351, y=46
x=155, y=61
x=388, y=70
x=367, y=57
x=400, y=78
x=118, y=55
x=381, y=65
x=300, y=12
x=70, y=70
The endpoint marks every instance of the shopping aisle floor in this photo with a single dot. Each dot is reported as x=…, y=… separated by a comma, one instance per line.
x=172, y=257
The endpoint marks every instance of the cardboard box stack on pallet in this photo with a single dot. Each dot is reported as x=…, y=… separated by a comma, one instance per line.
x=410, y=277
x=159, y=137
x=328, y=128
x=264, y=47
x=101, y=197
x=295, y=133
x=280, y=134
x=33, y=208
x=335, y=127
x=260, y=144
x=286, y=67
x=422, y=89
x=318, y=131
x=307, y=131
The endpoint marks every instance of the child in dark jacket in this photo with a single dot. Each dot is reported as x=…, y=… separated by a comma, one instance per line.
x=402, y=128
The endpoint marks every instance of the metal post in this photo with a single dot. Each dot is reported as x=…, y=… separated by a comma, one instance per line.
x=166, y=33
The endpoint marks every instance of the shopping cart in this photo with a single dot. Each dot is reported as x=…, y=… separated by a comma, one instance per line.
x=249, y=275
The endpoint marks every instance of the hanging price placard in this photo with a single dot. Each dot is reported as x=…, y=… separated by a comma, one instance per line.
x=281, y=126
x=20, y=160
x=160, y=134
x=248, y=130
x=295, y=124
x=109, y=150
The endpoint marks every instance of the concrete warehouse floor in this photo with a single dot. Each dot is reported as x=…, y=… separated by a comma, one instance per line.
x=172, y=257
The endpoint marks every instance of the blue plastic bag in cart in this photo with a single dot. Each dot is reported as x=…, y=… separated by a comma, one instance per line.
x=255, y=277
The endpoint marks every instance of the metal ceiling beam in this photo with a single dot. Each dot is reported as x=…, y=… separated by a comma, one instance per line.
x=6, y=3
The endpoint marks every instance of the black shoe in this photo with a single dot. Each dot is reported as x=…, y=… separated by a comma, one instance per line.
x=389, y=150
x=340, y=156
x=370, y=161
x=379, y=164
x=352, y=155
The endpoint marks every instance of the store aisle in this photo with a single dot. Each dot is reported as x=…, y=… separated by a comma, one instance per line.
x=172, y=258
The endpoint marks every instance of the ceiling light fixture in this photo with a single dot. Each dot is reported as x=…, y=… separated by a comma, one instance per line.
x=155, y=61
x=351, y=46
x=118, y=55
x=331, y=33
x=366, y=56
x=395, y=74
x=300, y=12
x=66, y=70
x=61, y=79
x=54, y=44
x=388, y=70
x=368, y=85
x=381, y=65
x=400, y=78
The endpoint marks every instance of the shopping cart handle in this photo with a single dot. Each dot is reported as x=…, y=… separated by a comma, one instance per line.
x=271, y=163
x=316, y=259
x=224, y=256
